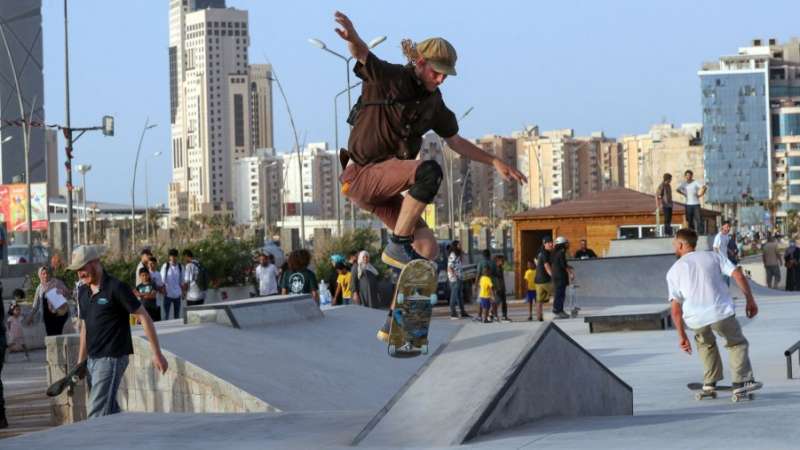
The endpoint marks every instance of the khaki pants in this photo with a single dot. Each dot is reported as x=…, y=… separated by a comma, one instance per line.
x=543, y=292
x=737, y=347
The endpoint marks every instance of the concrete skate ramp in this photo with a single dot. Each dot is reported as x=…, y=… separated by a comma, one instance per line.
x=623, y=280
x=489, y=378
x=332, y=363
x=256, y=312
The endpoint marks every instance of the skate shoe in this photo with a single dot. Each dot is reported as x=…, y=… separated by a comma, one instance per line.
x=383, y=332
x=399, y=255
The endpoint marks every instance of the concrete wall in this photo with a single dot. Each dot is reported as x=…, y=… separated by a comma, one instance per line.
x=184, y=388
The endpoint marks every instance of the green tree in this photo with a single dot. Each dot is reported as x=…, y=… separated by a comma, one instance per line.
x=350, y=241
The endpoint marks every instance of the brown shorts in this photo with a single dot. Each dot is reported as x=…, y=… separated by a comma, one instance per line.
x=377, y=187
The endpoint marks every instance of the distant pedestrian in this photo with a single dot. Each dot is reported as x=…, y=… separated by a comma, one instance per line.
x=194, y=284
x=485, y=262
x=771, y=257
x=693, y=191
x=158, y=282
x=267, y=276
x=172, y=274
x=145, y=291
x=485, y=294
x=455, y=276
x=144, y=258
x=721, y=244
x=298, y=279
x=501, y=300
x=50, y=298
x=664, y=202
x=562, y=274
x=105, y=338
x=543, y=279
x=344, y=283
x=791, y=258
x=14, y=334
x=585, y=252
x=530, y=286
x=365, y=282
x=702, y=302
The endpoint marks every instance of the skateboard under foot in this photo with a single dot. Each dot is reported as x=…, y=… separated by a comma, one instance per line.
x=737, y=395
x=415, y=296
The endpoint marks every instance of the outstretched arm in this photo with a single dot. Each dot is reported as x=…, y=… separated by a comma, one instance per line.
x=358, y=48
x=472, y=152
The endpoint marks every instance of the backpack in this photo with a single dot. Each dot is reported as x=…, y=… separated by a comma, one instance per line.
x=202, y=276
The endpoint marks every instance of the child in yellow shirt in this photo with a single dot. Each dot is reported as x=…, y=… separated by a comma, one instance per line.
x=530, y=284
x=343, y=283
x=485, y=294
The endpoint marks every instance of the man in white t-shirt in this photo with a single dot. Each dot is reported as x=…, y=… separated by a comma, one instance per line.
x=721, y=241
x=267, y=276
x=693, y=191
x=700, y=299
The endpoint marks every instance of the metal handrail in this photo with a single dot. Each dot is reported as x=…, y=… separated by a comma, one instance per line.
x=788, y=355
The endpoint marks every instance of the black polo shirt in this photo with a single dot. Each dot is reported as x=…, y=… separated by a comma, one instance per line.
x=542, y=277
x=107, y=317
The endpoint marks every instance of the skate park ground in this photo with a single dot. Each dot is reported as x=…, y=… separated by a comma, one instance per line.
x=325, y=411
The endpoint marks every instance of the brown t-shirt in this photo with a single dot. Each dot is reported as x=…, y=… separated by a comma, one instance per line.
x=395, y=130
x=664, y=192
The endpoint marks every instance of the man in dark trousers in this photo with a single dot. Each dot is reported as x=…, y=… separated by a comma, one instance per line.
x=664, y=202
x=562, y=274
x=500, y=287
x=105, y=339
x=543, y=279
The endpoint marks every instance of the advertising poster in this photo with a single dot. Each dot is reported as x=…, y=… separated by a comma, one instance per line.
x=14, y=205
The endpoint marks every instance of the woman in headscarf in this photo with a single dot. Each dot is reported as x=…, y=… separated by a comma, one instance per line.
x=365, y=282
x=54, y=319
x=791, y=258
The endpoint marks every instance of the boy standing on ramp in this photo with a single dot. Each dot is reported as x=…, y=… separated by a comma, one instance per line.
x=398, y=104
x=700, y=298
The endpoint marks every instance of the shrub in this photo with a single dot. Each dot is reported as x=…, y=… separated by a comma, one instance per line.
x=350, y=241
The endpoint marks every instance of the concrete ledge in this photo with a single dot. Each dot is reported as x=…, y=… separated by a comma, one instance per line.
x=256, y=312
x=630, y=318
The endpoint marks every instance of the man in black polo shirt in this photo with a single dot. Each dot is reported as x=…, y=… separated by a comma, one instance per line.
x=105, y=306
x=562, y=273
x=543, y=279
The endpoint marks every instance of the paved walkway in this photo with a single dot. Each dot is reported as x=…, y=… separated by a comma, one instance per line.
x=24, y=382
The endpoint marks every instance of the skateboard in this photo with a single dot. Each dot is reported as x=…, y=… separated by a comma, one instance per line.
x=572, y=300
x=414, y=295
x=737, y=395
x=68, y=382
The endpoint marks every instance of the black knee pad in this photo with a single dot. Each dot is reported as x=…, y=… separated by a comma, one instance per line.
x=426, y=181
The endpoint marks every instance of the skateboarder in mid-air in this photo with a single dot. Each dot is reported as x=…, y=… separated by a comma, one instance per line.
x=701, y=300
x=398, y=104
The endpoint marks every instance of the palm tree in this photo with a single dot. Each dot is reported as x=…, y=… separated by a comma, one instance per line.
x=775, y=202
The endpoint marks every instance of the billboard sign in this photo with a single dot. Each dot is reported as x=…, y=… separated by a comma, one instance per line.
x=14, y=206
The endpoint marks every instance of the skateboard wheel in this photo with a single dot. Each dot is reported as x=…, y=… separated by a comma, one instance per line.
x=698, y=396
x=400, y=298
x=424, y=349
x=392, y=350
x=434, y=299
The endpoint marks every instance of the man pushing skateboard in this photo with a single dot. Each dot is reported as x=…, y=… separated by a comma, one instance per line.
x=399, y=104
x=701, y=300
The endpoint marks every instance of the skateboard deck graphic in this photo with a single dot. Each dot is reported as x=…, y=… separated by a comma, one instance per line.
x=68, y=382
x=414, y=297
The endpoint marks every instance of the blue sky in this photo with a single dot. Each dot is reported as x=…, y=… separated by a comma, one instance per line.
x=616, y=66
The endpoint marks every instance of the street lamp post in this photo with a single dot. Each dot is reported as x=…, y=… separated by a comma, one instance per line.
x=25, y=139
x=82, y=169
x=147, y=126
x=321, y=45
x=448, y=171
x=147, y=200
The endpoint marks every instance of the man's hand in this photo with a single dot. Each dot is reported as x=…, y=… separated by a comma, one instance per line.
x=348, y=31
x=685, y=345
x=160, y=362
x=507, y=172
x=751, y=309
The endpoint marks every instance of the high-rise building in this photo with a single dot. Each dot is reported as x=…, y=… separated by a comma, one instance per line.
x=751, y=123
x=319, y=182
x=21, y=21
x=488, y=194
x=258, y=194
x=220, y=106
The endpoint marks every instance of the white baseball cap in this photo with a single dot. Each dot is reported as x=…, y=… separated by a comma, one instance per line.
x=561, y=240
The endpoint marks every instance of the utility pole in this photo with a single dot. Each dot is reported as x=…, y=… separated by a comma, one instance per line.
x=68, y=137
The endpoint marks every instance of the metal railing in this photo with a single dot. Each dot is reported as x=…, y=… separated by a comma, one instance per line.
x=788, y=354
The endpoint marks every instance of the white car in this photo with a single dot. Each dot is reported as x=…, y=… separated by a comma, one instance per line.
x=18, y=254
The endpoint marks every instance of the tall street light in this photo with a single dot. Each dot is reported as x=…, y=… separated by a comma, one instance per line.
x=347, y=87
x=25, y=139
x=82, y=169
x=147, y=200
x=336, y=140
x=447, y=160
x=147, y=126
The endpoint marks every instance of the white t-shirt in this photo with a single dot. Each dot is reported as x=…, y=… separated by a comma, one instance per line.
x=691, y=190
x=190, y=274
x=456, y=271
x=695, y=281
x=171, y=273
x=267, y=277
x=721, y=243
